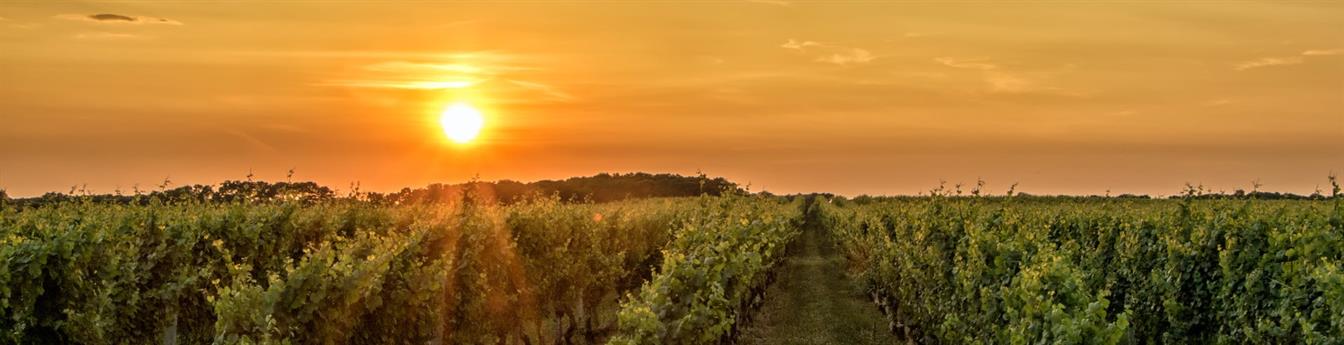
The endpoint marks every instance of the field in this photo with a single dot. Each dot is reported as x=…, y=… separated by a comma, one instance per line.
x=674, y=270
x=538, y=172
x=1103, y=271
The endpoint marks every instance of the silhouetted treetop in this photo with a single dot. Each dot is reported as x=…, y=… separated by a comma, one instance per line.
x=599, y=188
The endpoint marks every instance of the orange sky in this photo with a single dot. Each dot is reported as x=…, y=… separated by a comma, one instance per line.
x=878, y=97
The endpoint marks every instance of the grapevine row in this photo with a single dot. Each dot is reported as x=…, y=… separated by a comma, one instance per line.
x=713, y=273
x=994, y=270
x=540, y=272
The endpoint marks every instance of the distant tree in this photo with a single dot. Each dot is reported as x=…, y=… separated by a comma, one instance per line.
x=266, y=191
x=602, y=187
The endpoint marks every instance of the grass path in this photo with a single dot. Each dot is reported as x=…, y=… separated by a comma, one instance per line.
x=813, y=302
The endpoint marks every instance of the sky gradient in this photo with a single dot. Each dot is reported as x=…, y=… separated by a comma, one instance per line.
x=851, y=97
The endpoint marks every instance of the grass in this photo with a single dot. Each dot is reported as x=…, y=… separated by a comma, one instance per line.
x=814, y=302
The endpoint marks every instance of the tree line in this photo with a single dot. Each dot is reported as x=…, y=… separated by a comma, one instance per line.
x=604, y=187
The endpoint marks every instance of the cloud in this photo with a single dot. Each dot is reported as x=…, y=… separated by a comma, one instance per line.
x=398, y=66
x=404, y=84
x=109, y=18
x=543, y=88
x=258, y=144
x=1286, y=60
x=831, y=54
x=402, y=74
x=16, y=25
x=999, y=80
x=527, y=91
x=1009, y=83
x=109, y=36
x=1268, y=62
x=712, y=60
x=495, y=77
x=419, y=67
x=977, y=64
x=492, y=58
x=771, y=2
x=798, y=45
x=1324, y=52
x=853, y=56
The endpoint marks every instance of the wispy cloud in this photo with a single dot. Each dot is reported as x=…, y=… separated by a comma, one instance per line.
x=712, y=60
x=982, y=64
x=1301, y=58
x=798, y=45
x=403, y=84
x=112, y=17
x=251, y=140
x=1324, y=52
x=998, y=79
x=109, y=18
x=548, y=90
x=419, y=67
x=1009, y=83
x=1217, y=102
x=432, y=75
x=17, y=25
x=430, y=67
x=831, y=54
x=1267, y=62
x=493, y=58
x=771, y=2
x=463, y=71
x=109, y=36
x=853, y=56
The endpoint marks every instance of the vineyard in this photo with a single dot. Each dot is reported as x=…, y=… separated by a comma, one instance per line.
x=538, y=272
x=945, y=268
x=1005, y=270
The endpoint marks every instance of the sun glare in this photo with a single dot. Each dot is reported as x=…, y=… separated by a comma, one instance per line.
x=461, y=122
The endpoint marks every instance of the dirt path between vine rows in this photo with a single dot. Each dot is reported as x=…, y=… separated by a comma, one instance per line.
x=813, y=302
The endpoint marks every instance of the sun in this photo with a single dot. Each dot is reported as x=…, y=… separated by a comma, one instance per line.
x=461, y=122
